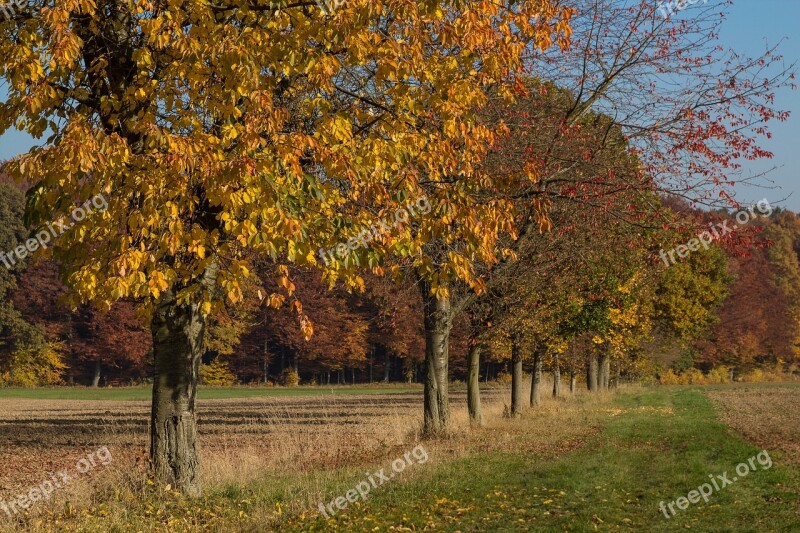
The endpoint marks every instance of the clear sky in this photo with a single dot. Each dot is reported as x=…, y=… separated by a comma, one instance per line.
x=752, y=26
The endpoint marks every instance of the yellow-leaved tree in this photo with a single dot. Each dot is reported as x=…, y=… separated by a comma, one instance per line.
x=218, y=132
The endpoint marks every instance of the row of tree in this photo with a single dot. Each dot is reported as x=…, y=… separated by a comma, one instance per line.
x=233, y=140
x=735, y=305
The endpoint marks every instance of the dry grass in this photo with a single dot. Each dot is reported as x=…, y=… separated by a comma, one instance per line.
x=248, y=441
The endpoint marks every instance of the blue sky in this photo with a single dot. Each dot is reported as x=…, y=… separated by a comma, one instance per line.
x=752, y=26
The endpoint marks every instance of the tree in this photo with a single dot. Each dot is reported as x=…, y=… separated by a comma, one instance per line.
x=446, y=247
x=686, y=138
x=783, y=235
x=26, y=358
x=755, y=324
x=15, y=331
x=229, y=130
x=114, y=345
x=340, y=327
x=692, y=109
x=689, y=293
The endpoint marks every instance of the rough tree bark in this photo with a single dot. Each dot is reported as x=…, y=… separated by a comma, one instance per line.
x=592, y=372
x=536, y=378
x=556, y=378
x=573, y=379
x=438, y=323
x=473, y=386
x=177, y=341
x=516, y=377
x=178, y=329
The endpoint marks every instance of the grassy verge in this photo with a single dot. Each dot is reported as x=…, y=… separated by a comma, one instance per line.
x=659, y=445
x=204, y=393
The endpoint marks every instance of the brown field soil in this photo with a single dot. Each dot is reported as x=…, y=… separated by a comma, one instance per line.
x=766, y=416
x=251, y=439
x=38, y=437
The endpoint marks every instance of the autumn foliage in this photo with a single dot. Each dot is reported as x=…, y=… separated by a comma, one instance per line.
x=236, y=142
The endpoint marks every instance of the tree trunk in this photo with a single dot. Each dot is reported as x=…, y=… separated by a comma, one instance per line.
x=177, y=330
x=536, y=378
x=617, y=374
x=266, y=362
x=573, y=379
x=386, y=367
x=516, y=378
x=438, y=322
x=556, y=378
x=96, y=377
x=604, y=368
x=473, y=386
x=592, y=372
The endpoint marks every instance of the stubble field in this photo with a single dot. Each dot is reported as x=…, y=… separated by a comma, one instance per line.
x=767, y=416
x=240, y=437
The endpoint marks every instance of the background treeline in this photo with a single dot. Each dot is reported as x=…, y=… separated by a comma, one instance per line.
x=731, y=312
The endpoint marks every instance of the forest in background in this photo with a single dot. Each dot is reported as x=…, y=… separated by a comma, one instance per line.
x=731, y=312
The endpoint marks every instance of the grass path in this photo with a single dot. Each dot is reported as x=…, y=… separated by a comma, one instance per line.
x=658, y=445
